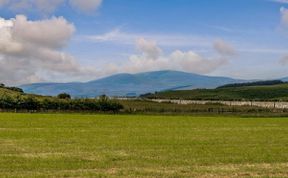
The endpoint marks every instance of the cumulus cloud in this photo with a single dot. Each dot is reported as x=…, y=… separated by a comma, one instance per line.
x=30, y=49
x=114, y=35
x=224, y=48
x=284, y=60
x=57, y=31
x=193, y=62
x=49, y=6
x=151, y=58
x=148, y=48
x=284, y=16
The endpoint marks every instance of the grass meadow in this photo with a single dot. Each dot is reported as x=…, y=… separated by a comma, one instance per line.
x=72, y=145
x=277, y=92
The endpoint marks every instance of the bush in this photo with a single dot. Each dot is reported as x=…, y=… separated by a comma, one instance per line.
x=16, y=89
x=64, y=96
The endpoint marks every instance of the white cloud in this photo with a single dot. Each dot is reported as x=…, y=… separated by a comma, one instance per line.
x=86, y=5
x=284, y=60
x=188, y=61
x=224, y=48
x=31, y=48
x=149, y=49
x=49, y=6
x=284, y=16
x=193, y=62
x=117, y=36
x=109, y=36
x=52, y=33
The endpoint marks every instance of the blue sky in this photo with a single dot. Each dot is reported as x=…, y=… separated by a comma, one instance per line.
x=237, y=38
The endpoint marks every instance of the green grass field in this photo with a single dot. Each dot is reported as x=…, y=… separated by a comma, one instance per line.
x=261, y=93
x=63, y=145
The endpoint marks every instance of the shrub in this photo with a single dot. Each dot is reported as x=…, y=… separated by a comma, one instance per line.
x=64, y=96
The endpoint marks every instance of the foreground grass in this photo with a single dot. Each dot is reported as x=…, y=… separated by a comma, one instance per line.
x=40, y=145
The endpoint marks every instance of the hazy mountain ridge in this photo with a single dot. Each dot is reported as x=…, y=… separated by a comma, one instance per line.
x=285, y=79
x=130, y=84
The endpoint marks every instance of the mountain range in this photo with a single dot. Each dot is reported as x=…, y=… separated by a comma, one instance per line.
x=130, y=84
x=284, y=79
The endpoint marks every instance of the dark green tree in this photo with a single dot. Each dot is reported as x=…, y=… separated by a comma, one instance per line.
x=64, y=96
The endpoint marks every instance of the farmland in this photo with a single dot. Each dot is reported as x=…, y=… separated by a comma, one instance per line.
x=72, y=145
x=278, y=92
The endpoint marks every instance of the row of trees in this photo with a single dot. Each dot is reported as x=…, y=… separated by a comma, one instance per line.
x=11, y=88
x=257, y=83
x=32, y=103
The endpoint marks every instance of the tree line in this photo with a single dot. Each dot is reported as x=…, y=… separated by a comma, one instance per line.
x=257, y=83
x=33, y=103
x=11, y=88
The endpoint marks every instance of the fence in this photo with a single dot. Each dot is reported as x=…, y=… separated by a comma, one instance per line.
x=264, y=104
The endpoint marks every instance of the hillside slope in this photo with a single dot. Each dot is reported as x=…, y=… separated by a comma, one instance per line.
x=130, y=84
x=7, y=92
x=284, y=79
x=272, y=92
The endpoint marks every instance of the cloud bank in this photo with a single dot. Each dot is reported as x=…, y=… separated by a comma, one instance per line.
x=152, y=58
x=31, y=50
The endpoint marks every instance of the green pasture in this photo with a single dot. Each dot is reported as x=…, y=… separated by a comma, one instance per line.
x=258, y=93
x=72, y=145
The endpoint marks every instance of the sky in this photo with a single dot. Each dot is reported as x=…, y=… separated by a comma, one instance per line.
x=82, y=40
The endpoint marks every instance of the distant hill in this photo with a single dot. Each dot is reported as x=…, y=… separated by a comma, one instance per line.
x=130, y=84
x=261, y=93
x=284, y=79
x=9, y=92
x=14, y=92
x=257, y=83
